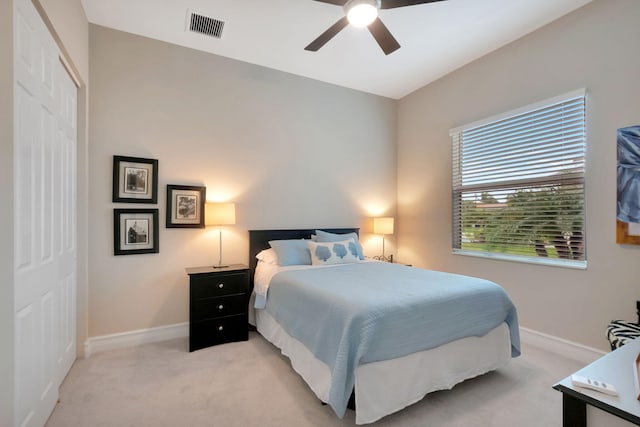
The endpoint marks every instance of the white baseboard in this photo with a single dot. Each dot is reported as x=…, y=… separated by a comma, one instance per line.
x=134, y=338
x=553, y=344
x=560, y=346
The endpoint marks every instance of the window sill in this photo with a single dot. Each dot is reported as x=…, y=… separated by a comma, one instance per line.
x=552, y=262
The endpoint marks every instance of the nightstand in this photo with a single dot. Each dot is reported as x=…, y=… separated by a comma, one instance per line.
x=218, y=305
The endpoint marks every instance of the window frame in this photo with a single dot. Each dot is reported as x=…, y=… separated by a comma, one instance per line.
x=455, y=138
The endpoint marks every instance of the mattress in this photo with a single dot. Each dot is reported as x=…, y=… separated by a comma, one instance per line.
x=387, y=386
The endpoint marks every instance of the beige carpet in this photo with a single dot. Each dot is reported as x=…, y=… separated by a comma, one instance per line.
x=252, y=384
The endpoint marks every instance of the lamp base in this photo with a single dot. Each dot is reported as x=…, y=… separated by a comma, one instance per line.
x=384, y=258
x=220, y=266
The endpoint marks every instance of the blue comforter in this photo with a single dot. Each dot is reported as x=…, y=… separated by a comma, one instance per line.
x=365, y=312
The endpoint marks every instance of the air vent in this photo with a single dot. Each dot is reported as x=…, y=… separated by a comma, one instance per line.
x=205, y=25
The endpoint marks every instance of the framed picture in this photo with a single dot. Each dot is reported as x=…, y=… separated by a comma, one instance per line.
x=135, y=231
x=628, y=191
x=135, y=180
x=185, y=206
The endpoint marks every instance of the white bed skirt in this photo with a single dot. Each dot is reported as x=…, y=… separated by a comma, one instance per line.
x=385, y=387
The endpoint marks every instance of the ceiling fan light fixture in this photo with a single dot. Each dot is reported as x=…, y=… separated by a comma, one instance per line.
x=361, y=13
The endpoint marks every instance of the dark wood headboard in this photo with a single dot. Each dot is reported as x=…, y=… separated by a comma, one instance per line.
x=259, y=240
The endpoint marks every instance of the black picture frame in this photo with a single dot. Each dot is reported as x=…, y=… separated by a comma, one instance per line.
x=185, y=206
x=135, y=231
x=135, y=180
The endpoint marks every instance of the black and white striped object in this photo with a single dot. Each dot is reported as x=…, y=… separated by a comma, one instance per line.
x=619, y=332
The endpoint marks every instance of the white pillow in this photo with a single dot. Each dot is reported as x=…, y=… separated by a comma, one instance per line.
x=268, y=256
x=326, y=253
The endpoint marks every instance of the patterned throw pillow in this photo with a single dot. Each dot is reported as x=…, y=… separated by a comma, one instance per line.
x=325, y=253
x=323, y=236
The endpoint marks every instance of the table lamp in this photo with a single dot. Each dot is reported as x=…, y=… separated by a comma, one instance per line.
x=383, y=226
x=219, y=214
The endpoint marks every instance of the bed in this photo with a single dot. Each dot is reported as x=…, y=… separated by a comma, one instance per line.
x=347, y=335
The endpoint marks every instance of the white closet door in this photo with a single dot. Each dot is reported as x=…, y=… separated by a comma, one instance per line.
x=64, y=204
x=45, y=218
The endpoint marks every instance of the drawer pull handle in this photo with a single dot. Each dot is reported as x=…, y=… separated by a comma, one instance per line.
x=220, y=328
x=221, y=285
x=220, y=307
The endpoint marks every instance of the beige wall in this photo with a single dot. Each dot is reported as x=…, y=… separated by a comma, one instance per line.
x=289, y=151
x=6, y=214
x=72, y=28
x=594, y=47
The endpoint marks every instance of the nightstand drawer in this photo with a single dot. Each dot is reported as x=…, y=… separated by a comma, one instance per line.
x=206, y=286
x=206, y=308
x=217, y=331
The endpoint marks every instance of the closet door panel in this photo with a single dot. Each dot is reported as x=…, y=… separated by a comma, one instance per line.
x=45, y=216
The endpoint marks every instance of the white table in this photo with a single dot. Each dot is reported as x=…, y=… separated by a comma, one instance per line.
x=616, y=368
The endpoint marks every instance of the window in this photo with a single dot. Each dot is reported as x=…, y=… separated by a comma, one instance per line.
x=518, y=184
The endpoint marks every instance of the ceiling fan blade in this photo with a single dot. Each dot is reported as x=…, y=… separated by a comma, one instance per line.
x=327, y=35
x=392, y=4
x=336, y=2
x=387, y=42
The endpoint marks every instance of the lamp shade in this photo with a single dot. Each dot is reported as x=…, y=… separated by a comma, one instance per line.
x=220, y=214
x=383, y=225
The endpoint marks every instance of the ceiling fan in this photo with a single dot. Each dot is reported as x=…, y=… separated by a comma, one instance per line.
x=364, y=13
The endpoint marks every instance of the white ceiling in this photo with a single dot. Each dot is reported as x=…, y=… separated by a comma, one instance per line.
x=436, y=38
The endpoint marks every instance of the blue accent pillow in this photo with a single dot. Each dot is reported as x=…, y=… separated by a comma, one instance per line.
x=326, y=253
x=291, y=252
x=323, y=236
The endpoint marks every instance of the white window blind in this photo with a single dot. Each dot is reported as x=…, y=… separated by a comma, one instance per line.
x=518, y=183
